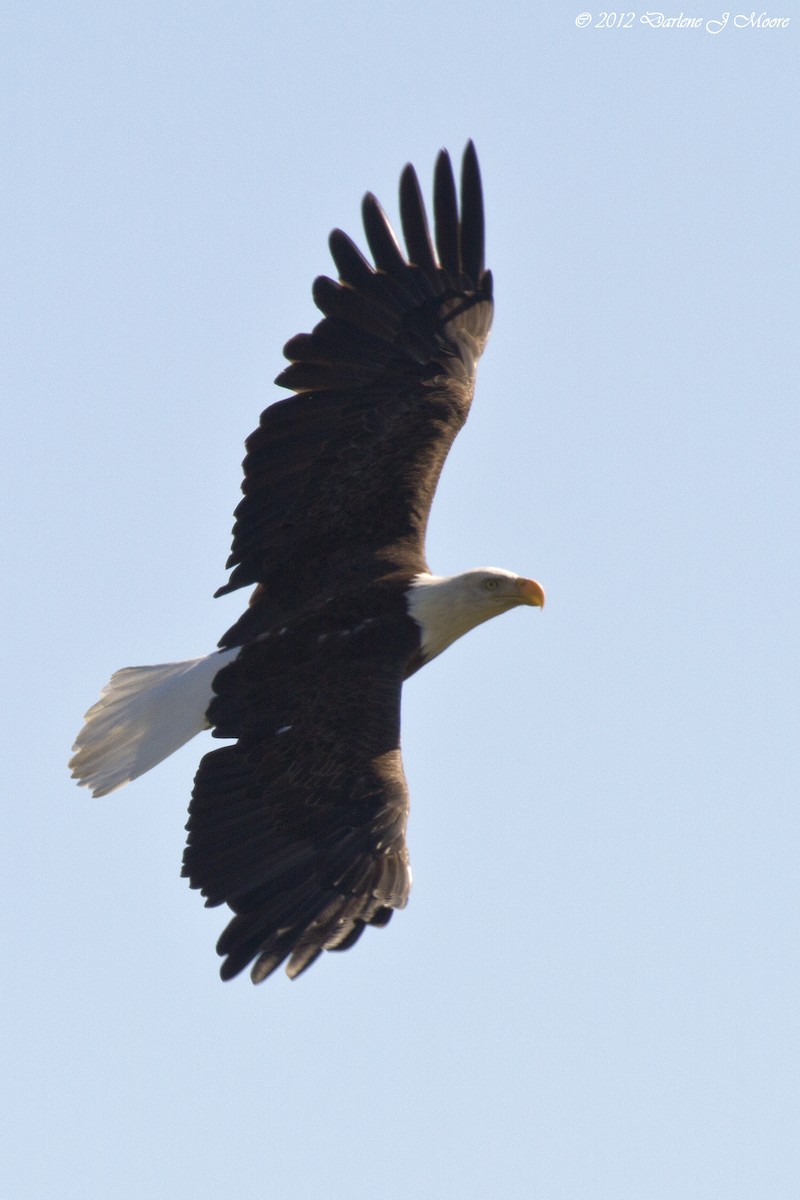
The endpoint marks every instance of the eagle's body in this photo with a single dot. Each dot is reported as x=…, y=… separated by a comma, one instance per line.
x=299, y=825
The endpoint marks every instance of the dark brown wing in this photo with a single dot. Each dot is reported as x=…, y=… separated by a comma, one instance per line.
x=300, y=826
x=339, y=479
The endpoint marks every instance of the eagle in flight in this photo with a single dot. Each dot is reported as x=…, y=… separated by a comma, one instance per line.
x=299, y=824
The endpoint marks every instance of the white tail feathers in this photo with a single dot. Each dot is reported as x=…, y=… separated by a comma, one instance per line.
x=144, y=714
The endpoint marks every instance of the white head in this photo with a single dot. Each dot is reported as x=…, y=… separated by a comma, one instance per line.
x=447, y=606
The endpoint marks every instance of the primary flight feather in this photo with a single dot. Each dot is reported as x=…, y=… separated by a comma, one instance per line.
x=299, y=825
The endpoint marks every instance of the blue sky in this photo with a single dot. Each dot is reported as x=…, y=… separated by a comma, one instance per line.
x=594, y=990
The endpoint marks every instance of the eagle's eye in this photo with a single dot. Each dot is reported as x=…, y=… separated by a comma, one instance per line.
x=491, y=585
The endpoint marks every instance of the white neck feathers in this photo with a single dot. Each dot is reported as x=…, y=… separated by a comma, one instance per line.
x=445, y=607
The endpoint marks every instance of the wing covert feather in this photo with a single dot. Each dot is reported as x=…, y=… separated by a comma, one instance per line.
x=339, y=478
x=300, y=826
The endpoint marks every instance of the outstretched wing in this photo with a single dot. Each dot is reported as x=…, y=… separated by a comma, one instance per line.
x=300, y=826
x=339, y=479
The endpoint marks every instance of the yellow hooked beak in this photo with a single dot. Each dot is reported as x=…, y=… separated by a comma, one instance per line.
x=530, y=592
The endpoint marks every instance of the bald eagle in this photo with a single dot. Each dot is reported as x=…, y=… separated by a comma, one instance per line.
x=299, y=825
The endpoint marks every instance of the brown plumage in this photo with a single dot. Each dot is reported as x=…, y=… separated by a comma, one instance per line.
x=299, y=825
x=339, y=479
x=302, y=832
